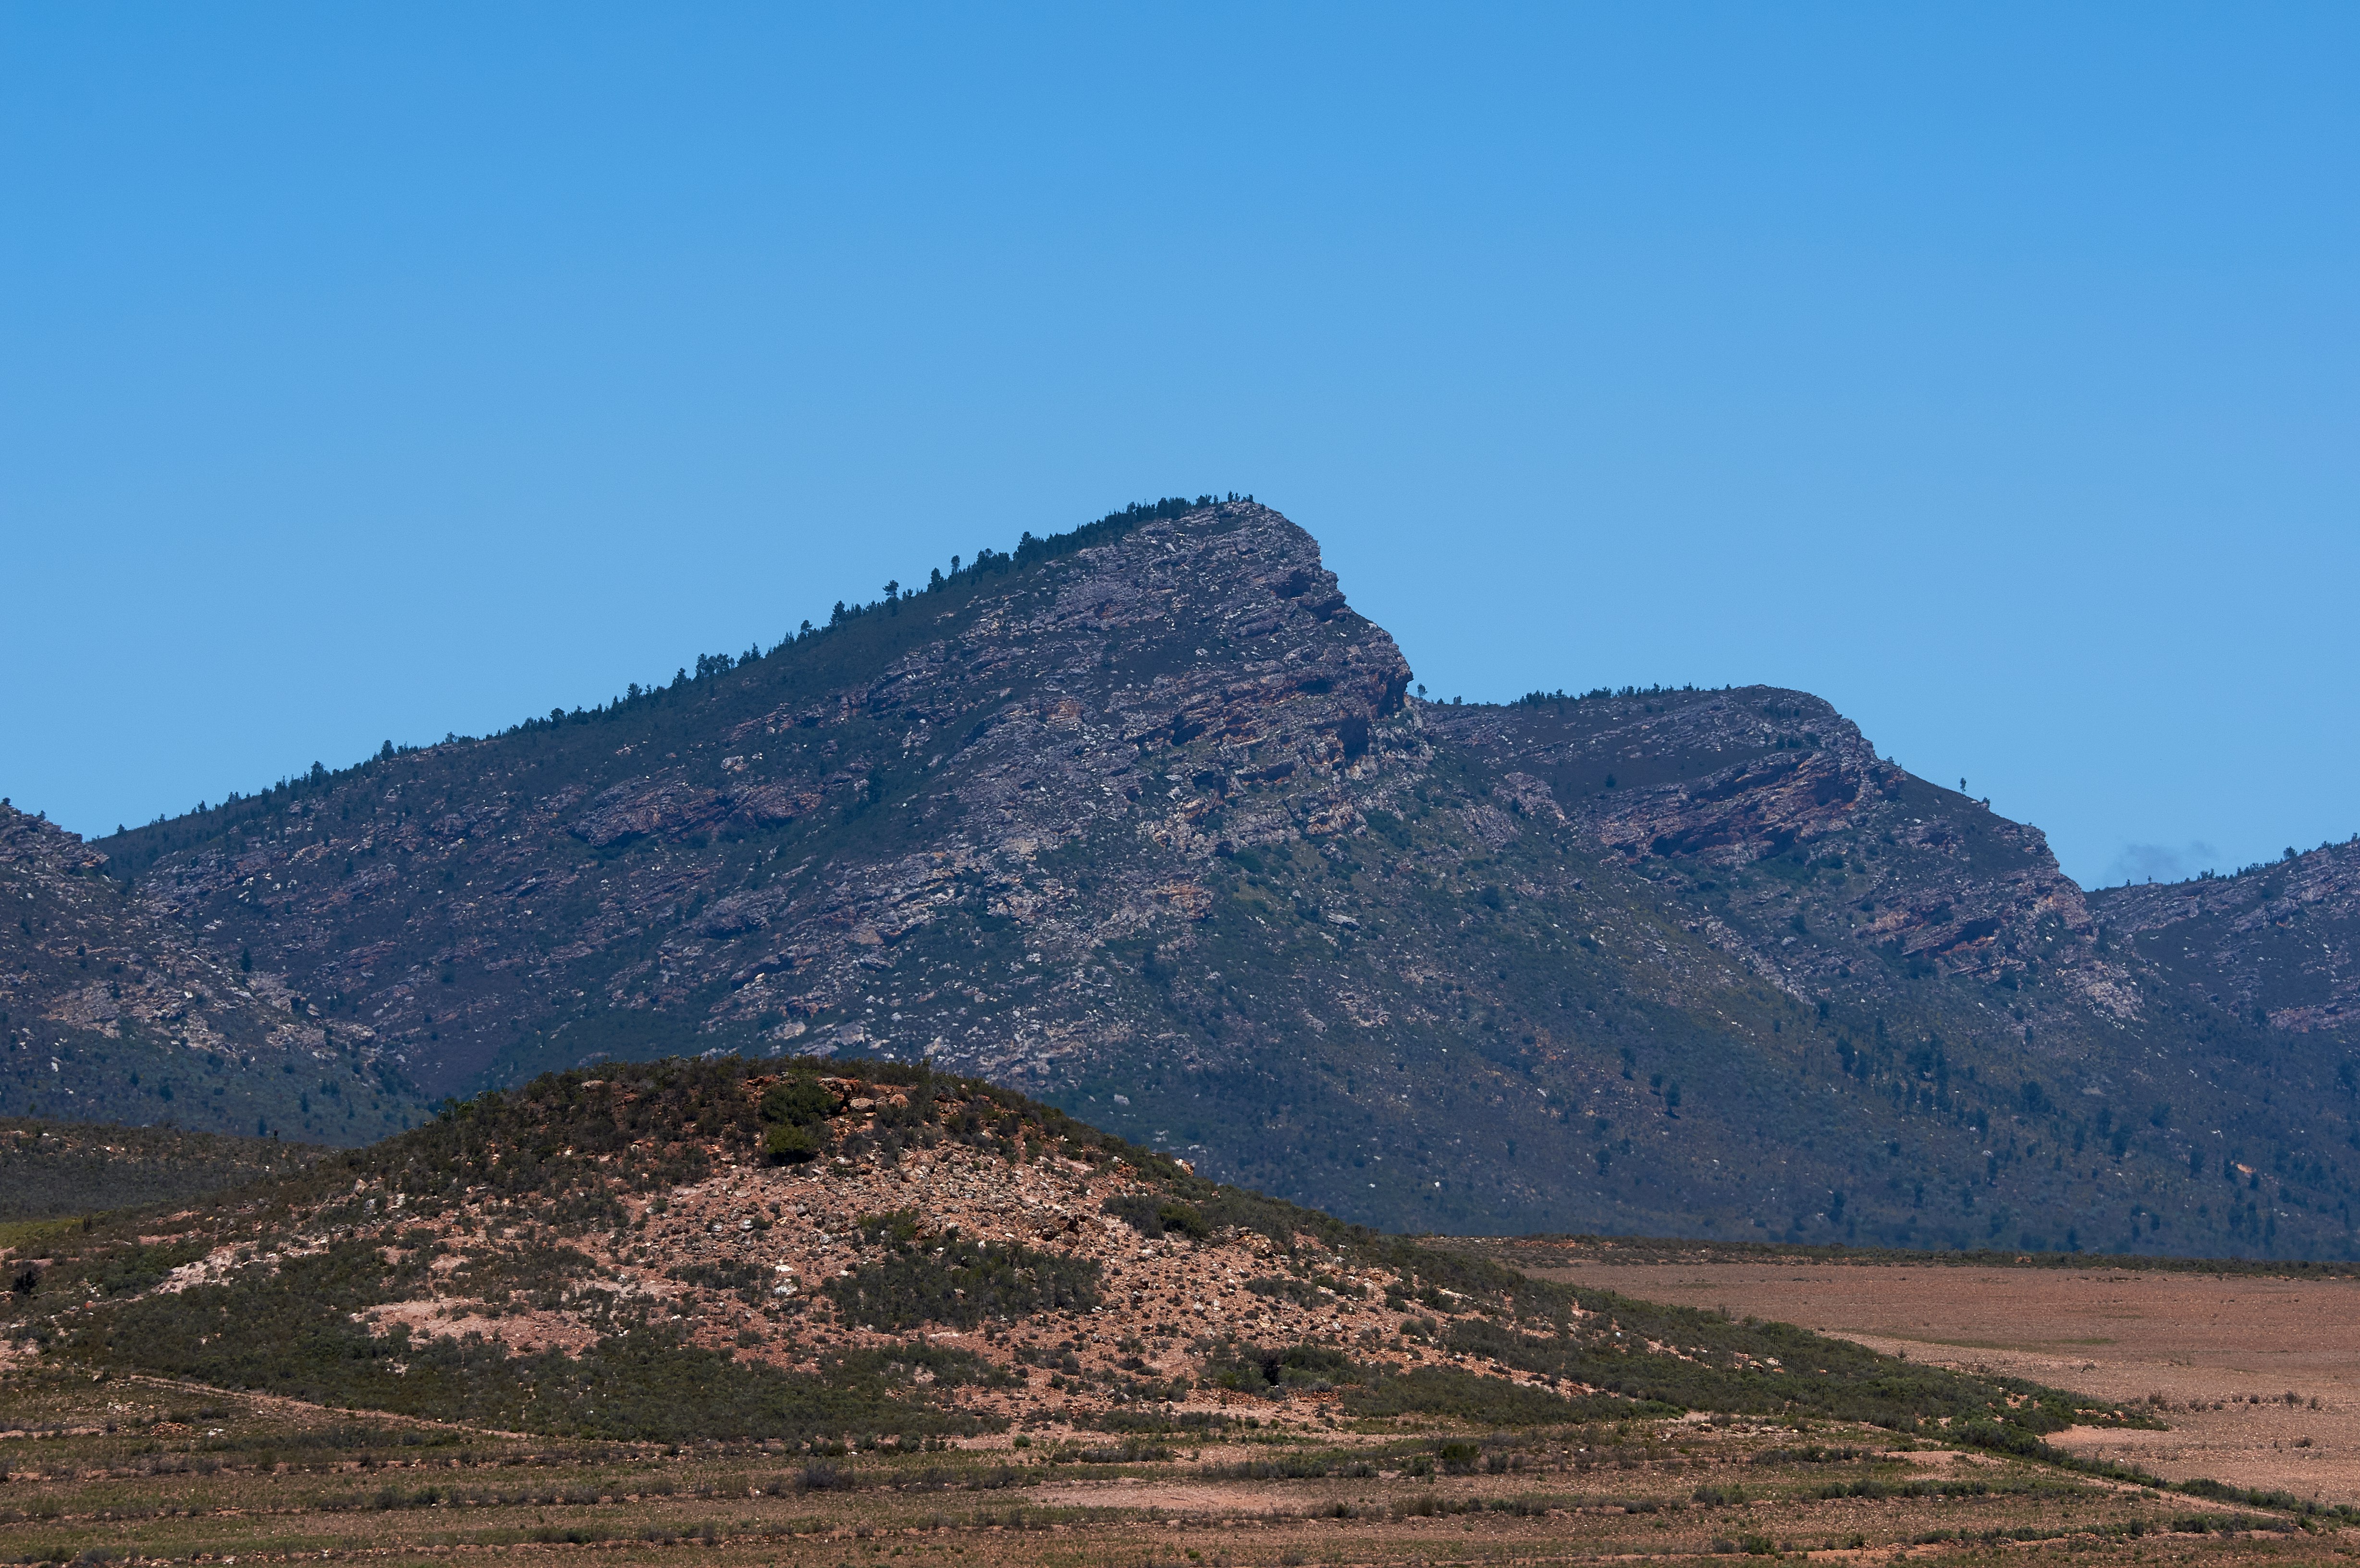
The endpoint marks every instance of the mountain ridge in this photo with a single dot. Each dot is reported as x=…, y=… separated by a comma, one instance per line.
x=1145, y=821
x=2277, y=940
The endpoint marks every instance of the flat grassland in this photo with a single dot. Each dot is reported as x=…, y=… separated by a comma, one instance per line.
x=135, y=1469
x=2258, y=1377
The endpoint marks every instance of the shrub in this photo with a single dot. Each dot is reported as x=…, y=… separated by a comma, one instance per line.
x=1255, y=1369
x=789, y=1144
x=962, y=1283
x=1154, y=1215
x=819, y=1476
x=797, y=1099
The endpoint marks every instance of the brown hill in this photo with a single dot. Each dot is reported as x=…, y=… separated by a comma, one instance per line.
x=715, y=1248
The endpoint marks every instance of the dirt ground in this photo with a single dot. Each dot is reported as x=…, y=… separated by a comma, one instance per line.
x=139, y=1473
x=2221, y=1352
x=145, y=1472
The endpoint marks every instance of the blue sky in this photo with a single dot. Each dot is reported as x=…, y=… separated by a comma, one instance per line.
x=1991, y=371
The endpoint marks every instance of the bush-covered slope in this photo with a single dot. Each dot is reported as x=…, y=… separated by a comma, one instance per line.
x=51, y=1170
x=636, y=1251
x=1938, y=1041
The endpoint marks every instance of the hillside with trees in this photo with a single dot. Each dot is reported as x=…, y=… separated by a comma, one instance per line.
x=56, y=1170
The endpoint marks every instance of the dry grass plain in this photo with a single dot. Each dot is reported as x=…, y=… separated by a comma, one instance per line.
x=2221, y=1352
x=139, y=1471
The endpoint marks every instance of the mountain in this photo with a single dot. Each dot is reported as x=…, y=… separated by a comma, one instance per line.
x=113, y=1010
x=2274, y=941
x=710, y=1248
x=1144, y=820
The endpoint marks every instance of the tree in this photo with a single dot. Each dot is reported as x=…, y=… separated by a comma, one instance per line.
x=797, y=1108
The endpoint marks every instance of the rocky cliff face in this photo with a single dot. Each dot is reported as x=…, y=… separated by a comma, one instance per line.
x=2280, y=942
x=1864, y=861
x=1056, y=757
x=1141, y=820
x=91, y=957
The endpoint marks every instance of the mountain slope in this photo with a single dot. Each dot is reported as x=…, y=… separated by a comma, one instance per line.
x=2279, y=943
x=112, y=1010
x=1143, y=821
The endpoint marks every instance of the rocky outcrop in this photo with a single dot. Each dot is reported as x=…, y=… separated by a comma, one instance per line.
x=88, y=956
x=1867, y=861
x=111, y=1008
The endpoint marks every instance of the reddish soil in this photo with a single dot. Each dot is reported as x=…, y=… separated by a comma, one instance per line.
x=2223, y=1353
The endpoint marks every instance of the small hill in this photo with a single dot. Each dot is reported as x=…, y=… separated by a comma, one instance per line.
x=51, y=1170
x=784, y=1250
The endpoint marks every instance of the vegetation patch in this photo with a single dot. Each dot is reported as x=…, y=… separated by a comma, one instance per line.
x=964, y=1283
x=1448, y=1392
x=1256, y=1369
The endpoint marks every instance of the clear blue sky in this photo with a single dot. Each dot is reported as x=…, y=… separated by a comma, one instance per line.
x=374, y=371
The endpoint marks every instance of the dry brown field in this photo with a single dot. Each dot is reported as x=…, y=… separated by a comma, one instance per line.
x=2257, y=1377
x=135, y=1470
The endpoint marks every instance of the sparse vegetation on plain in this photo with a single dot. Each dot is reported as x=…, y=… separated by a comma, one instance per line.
x=595, y=1311
x=135, y=1469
